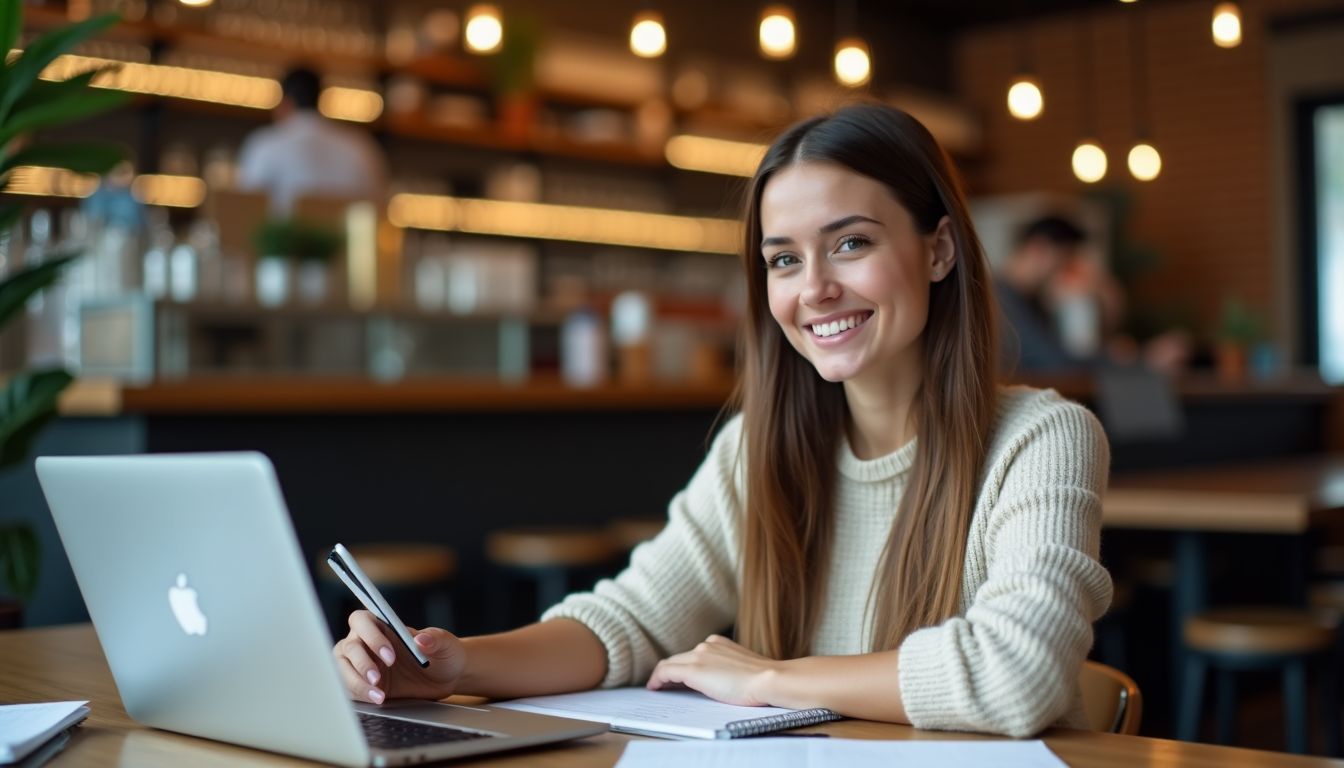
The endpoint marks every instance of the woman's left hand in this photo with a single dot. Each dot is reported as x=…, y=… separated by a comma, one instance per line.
x=719, y=668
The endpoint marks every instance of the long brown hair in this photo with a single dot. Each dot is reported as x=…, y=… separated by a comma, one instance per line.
x=793, y=418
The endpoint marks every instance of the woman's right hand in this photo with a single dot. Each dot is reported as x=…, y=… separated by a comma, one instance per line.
x=375, y=667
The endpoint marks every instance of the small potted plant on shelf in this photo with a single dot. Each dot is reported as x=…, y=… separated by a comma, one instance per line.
x=514, y=79
x=1239, y=329
x=298, y=251
x=29, y=104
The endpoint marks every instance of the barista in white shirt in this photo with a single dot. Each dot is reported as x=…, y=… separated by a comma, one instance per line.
x=304, y=153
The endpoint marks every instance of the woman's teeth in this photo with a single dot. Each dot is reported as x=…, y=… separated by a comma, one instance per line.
x=836, y=326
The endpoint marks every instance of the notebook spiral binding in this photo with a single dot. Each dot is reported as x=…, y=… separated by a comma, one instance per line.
x=757, y=726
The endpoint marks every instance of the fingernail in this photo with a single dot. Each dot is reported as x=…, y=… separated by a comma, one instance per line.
x=376, y=696
x=388, y=655
x=373, y=676
x=423, y=639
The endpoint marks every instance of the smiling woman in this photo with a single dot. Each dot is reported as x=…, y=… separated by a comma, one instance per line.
x=894, y=536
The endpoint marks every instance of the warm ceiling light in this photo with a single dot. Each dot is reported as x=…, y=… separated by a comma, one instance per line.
x=1129, y=1
x=701, y=153
x=50, y=182
x=354, y=104
x=647, y=36
x=852, y=65
x=778, y=36
x=174, y=82
x=565, y=222
x=1089, y=162
x=1144, y=161
x=195, y=3
x=1227, y=25
x=170, y=191
x=1025, y=101
x=485, y=30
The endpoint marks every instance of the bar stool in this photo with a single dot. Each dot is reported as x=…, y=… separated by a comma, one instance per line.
x=400, y=570
x=550, y=558
x=1235, y=639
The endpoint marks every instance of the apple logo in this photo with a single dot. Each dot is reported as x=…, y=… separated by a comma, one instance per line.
x=182, y=599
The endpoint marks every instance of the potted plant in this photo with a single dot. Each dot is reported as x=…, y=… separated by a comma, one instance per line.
x=28, y=104
x=513, y=77
x=1239, y=328
x=294, y=250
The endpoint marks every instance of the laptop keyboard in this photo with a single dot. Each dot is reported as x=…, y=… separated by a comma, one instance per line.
x=391, y=733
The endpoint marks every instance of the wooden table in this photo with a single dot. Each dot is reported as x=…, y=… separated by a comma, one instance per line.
x=63, y=663
x=1285, y=497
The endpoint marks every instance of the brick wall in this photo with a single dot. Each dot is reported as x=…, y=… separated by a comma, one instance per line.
x=1210, y=213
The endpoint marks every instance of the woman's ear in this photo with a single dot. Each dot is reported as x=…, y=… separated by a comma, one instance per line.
x=942, y=251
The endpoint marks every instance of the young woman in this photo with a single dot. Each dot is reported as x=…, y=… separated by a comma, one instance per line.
x=894, y=536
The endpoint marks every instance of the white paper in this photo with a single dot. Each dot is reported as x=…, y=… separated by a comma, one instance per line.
x=685, y=714
x=851, y=753
x=24, y=726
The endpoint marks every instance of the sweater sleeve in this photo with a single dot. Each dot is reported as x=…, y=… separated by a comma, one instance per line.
x=1010, y=664
x=681, y=586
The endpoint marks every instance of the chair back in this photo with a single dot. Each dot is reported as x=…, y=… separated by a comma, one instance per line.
x=1111, y=699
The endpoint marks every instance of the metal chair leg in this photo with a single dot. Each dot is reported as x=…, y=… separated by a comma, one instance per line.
x=1295, y=704
x=1192, y=697
x=1226, y=706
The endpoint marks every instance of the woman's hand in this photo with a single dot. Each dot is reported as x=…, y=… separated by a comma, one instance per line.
x=374, y=666
x=721, y=669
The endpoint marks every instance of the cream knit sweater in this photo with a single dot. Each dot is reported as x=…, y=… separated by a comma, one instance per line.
x=1032, y=586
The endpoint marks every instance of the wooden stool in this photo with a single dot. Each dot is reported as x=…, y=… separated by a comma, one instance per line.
x=404, y=568
x=1236, y=639
x=549, y=558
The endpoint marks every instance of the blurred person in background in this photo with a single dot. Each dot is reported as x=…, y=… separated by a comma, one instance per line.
x=1063, y=310
x=304, y=153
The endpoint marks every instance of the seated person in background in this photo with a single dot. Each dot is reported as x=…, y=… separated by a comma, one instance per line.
x=893, y=535
x=304, y=153
x=1062, y=309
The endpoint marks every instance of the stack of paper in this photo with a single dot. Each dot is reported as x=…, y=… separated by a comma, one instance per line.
x=851, y=753
x=25, y=727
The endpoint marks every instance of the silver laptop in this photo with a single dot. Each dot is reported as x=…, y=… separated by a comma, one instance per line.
x=199, y=593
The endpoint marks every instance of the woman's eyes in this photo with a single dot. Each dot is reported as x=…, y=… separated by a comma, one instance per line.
x=847, y=244
x=852, y=243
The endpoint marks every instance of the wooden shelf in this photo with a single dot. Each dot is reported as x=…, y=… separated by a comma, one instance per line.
x=221, y=395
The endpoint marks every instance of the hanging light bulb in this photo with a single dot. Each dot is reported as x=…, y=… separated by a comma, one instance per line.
x=195, y=3
x=1144, y=161
x=484, y=30
x=852, y=66
x=647, y=36
x=1025, y=101
x=1227, y=25
x=1089, y=162
x=778, y=35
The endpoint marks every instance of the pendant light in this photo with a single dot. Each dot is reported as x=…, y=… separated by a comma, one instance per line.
x=1025, y=100
x=484, y=31
x=1226, y=25
x=853, y=64
x=1145, y=163
x=778, y=32
x=648, y=38
x=1089, y=159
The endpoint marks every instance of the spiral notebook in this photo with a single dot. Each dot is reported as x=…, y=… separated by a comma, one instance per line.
x=669, y=714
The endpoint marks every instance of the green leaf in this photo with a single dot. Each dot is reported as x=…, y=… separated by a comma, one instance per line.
x=26, y=404
x=15, y=289
x=77, y=157
x=19, y=559
x=92, y=102
x=42, y=51
x=11, y=23
x=44, y=91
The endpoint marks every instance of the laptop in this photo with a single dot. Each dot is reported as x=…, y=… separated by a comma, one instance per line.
x=204, y=607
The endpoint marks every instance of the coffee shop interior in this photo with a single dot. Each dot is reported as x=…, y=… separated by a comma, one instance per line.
x=489, y=334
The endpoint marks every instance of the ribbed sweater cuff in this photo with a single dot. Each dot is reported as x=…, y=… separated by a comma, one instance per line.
x=926, y=691
x=620, y=662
